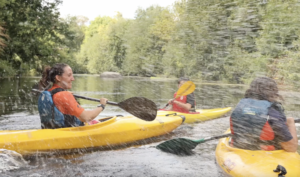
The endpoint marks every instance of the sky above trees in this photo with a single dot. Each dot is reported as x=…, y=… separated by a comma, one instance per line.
x=94, y=8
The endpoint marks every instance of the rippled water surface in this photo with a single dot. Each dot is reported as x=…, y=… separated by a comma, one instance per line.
x=18, y=110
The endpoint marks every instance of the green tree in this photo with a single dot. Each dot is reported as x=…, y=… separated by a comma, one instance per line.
x=94, y=50
x=37, y=36
x=2, y=34
x=199, y=45
x=5, y=68
x=103, y=48
x=279, y=40
x=244, y=62
x=117, y=46
x=146, y=39
x=2, y=37
x=72, y=41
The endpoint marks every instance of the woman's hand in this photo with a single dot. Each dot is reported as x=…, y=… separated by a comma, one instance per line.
x=89, y=115
x=103, y=101
x=171, y=101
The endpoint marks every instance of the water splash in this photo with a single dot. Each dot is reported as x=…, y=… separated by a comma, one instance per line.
x=10, y=160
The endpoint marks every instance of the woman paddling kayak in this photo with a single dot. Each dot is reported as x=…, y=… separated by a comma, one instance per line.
x=258, y=121
x=183, y=103
x=57, y=106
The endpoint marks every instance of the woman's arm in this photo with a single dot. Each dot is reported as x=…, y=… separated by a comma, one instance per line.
x=88, y=115
x=292, y=145
x=190, y=102
x=186, y=106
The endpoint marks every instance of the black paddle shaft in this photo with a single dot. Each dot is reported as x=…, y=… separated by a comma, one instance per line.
x=97, y=100
x=140, y=107
x=216, y=137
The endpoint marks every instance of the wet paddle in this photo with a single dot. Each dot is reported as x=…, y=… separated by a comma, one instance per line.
x=140, y=107
x=184, y=146
x=186, y=88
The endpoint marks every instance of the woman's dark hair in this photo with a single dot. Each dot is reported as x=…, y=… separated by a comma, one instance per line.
x=49, y=74
x=263, y=88
x=183, y=79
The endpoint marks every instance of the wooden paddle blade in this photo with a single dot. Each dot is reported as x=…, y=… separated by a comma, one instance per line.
x=140, y=107
x=179, y=146
x=186, y=88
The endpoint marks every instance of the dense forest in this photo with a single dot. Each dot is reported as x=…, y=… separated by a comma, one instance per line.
x=230, y=41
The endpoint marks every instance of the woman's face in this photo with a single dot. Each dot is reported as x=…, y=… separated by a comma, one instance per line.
x=66, y=79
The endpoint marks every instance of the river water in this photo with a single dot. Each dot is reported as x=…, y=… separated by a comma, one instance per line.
x=18, y=110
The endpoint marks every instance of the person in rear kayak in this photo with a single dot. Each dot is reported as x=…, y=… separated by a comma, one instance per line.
x=57, y=106
x=184, y=103
x=258, y=122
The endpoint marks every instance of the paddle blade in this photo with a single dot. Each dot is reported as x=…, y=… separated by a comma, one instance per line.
x=186, y=88
x=140, y=107
x=179, y=146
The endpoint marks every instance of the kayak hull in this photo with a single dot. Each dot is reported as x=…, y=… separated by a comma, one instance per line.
x=111, y=132
x=239, y=163
x=200, y=114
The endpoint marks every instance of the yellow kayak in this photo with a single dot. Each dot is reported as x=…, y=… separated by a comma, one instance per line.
x=239, y=163
x=109, y=132
x=200, y=114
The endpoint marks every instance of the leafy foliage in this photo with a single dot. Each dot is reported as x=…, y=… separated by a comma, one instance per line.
x=146, y=39
x=221, y=40
x=2, y=33
x=2, y=36
x=37, y=36
x=102, y=48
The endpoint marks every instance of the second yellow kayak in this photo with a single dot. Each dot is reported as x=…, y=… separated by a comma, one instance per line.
x=239, y=162
x=110, y=132
x=200, y=114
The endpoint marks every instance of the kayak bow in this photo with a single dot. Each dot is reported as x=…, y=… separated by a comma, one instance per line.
x=239, y=162
x=110, y=132
x=200, y=114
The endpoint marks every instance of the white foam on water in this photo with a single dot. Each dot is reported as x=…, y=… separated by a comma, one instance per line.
x=11, y=160
x=35, y=175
